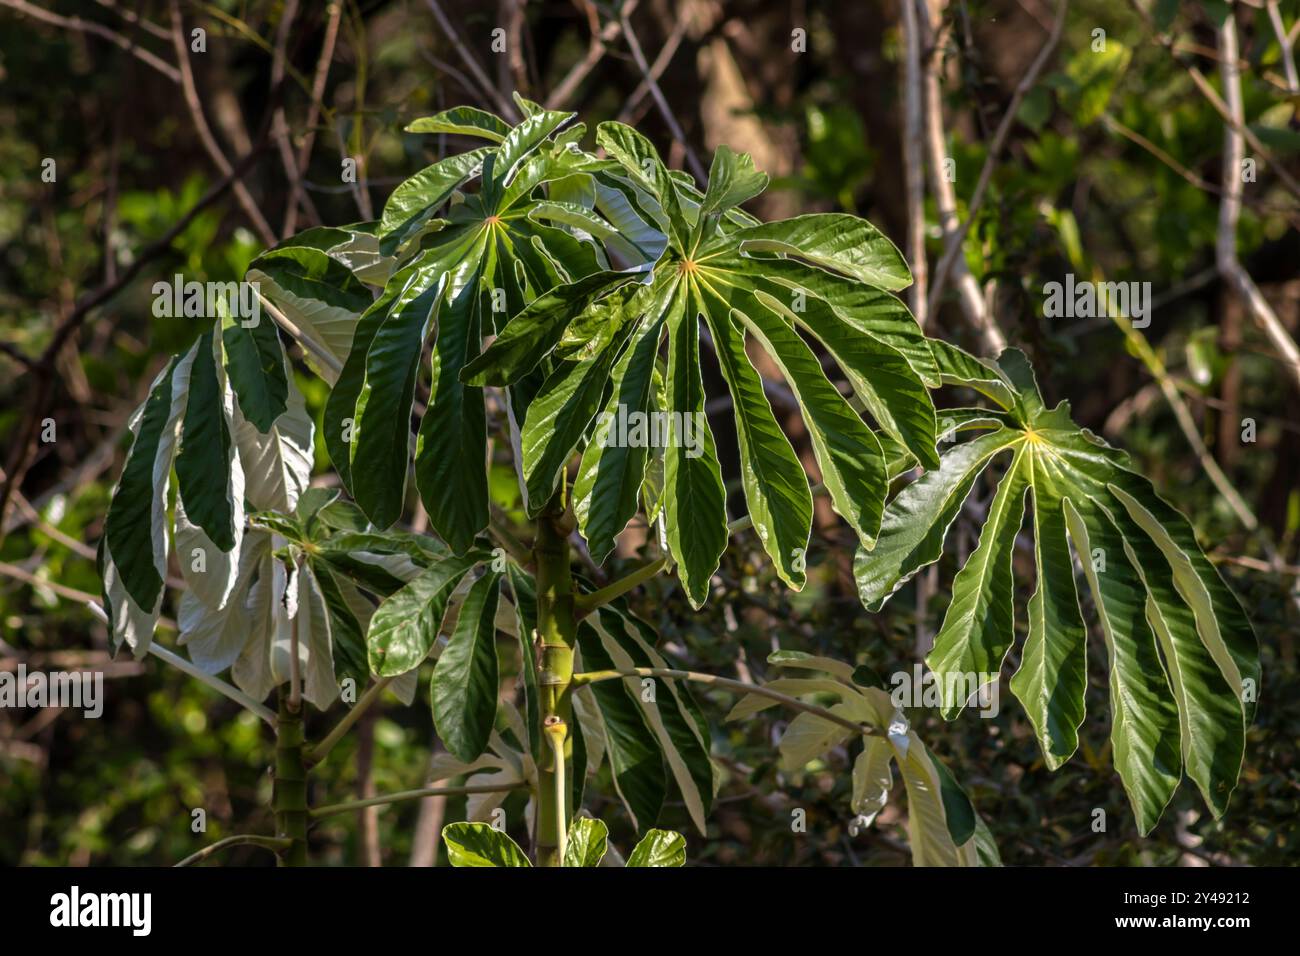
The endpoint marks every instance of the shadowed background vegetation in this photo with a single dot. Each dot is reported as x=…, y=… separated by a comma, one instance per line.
x=1101, y=162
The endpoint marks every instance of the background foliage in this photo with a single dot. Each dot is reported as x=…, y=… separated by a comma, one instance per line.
x=1110, y=169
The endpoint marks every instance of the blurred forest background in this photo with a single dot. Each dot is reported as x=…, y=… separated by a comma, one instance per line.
x=1011, y=128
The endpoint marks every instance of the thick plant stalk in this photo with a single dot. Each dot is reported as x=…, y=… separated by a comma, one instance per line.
x=555, y=639
x=289, y=794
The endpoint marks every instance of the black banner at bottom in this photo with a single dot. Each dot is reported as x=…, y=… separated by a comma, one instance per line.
x=351, y=906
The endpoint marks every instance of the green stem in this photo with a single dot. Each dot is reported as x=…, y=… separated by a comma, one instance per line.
x=556, y=635
x=794, y=703
x=289, y=793
x=317, y=813
x=250, y=839
x=556, y=733
x=586, y=603
x=216, y=683
x=318, y=753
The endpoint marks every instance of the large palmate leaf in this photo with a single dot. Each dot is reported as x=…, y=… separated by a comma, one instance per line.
x=242, y=509
x=1184, y=668
x=189, y=422
x=723, y=281
x=942, y=825
x=466, y=263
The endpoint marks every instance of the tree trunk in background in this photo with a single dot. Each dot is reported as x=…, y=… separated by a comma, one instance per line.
x=428, y=825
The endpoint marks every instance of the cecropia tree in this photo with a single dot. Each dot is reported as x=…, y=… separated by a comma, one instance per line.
x=553, y=295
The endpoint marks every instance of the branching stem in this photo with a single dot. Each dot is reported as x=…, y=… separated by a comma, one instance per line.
x=794, y=703
x=402, y=796
x=318, y=753
x=275, y=844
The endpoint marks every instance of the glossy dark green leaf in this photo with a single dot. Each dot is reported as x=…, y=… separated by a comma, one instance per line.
x=587, y=840
x=605, y=493
x=695, y=508
x=776, y=488
x=347, y=631
x=413, y=205
x=848, y=454
x=204, y=461
x=1052, y=676
x=255, y=362
x=659, y=848
x=465, y=683
x=478, y=844
x=463, y=120
x=558, y=416
x=133, y=528
x=631, y=746
x=732, y=180
x=957, y=809
x=533, y=333
x=451, y=447
x=381, y=433
x=979, y=625
x=645, y=168
x=673, y=715
x=405, y=626
x=318, y=293
x=341, y=406
x=837, y=241
x=917, y=520
x=521, y=141
x=1183, y=660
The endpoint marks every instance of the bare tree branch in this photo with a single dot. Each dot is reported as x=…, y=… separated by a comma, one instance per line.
x=279, y=125
x=488, y=89
x=1284, y=40
x=1232, y=184
x=665, y=110
x=23, y=449
x=313, y=116
x=214, y=151
x=657, y=68
x=914, y=160
x=133, y=18
x=97, y=29
x=952, y=248
x=976, y=310
x=601, y=37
